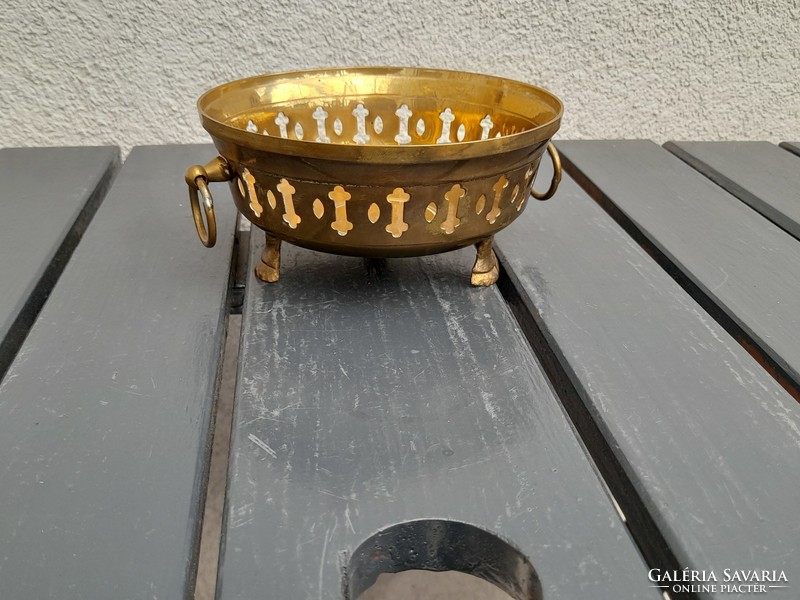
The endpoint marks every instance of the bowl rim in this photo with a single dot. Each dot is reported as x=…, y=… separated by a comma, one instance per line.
x=384, y=154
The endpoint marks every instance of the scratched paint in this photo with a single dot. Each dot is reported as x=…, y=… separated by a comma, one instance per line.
x=387, y=389
x=124, y=376
x=667, y=382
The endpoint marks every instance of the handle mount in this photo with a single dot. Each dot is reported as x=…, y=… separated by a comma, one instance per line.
x=197, y=178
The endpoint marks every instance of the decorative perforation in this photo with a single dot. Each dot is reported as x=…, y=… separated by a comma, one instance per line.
x=456, y=205
x=463, y=132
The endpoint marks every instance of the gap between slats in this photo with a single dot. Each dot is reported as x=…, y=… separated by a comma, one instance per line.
x=769, y=212
x=222, y=428
x=9, y=347
x=699, y=296
x=209, y=546
x=643, y=530
x=633, y=513
x=790, y=147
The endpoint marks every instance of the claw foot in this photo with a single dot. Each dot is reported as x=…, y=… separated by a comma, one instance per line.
x=486, y=269
x=269, y=269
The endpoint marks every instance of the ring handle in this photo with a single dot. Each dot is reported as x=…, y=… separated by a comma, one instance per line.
x=197, y=178
x=556, y=158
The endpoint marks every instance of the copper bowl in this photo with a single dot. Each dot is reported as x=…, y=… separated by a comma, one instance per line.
x=374, y=161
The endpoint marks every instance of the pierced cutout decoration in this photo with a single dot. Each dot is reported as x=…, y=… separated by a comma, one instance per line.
x=514, y=196
x=480, y=204
x=361, y=113
x=290, y=217
x=282, y=121
x=318, y=208
x=320, y=115
x=528, y=174
x=486, y=127
x=397, y=199
x=447, y=117
x=374, y=213
x=250, y=182
x=453, y=196
x=340, y=197
x=404, y=114
x=498, y=188
x=430, y=212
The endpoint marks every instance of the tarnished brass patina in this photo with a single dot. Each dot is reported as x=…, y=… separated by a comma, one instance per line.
x=376, y=161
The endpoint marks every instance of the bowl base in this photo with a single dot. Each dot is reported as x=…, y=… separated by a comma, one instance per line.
x=485, y=271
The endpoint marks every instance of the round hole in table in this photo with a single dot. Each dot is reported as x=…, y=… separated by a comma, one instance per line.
x=439, y=558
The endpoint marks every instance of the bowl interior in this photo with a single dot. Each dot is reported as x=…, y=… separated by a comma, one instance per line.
x=380, y=107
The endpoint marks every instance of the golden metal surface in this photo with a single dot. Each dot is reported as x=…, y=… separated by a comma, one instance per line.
x=269, y=269
x=556, y=158
x=379, y=161
x=486, y=270
x=197, y=178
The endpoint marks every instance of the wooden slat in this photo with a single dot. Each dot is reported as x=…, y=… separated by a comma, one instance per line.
x=47, y=198
x=758, y=173
x=791, y=147
x=740, y=266
x=106, y=411
x=376, y=392
x=708, y=440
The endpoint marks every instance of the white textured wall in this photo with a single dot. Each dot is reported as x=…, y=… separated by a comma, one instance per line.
x=88, y=72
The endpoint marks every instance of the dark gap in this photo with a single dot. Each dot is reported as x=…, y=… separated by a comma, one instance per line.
x=203, y=476
x=744, y=339
x=790, y=147
x=244, y=263
x=18, y=332
x=211, y=508
x=640, y=524
x=203, y=573
x=241, y=251
x=734, y=189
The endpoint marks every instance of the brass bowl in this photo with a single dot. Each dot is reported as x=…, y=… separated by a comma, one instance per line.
x=374, y=161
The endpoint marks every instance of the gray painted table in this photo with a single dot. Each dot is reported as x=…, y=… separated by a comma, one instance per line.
x=624, y=401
